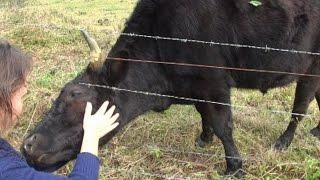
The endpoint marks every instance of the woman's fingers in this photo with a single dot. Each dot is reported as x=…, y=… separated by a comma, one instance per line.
x=112, y=119
x=103, y=121
x=110, y=112
x=103, y=108
x=110, y=128
x=88, y=111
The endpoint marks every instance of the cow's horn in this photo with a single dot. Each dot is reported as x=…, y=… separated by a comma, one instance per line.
x=96, y=62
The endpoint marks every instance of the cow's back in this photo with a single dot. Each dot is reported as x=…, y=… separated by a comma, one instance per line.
x=279, y=24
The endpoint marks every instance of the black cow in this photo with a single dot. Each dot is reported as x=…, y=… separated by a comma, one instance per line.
x=287, y=24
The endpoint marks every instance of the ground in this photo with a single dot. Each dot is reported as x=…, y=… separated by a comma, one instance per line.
x=156, y=145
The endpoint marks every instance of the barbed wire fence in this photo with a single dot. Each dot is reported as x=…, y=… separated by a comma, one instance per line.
x=189, y=99
x=209, y=43
x=265, y=48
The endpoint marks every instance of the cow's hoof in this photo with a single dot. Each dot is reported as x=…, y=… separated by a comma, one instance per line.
x=238, y=174
x=282, y=143
x=201, y=143
x=315, y=132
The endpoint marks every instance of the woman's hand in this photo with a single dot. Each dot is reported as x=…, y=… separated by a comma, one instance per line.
x=100, y=123
x=97, y=125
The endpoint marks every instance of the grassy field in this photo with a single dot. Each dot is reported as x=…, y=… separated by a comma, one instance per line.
x=156, y=145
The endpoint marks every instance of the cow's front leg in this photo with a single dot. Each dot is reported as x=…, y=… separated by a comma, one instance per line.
x=206, y=136
x=305, y=93
x=219, y=119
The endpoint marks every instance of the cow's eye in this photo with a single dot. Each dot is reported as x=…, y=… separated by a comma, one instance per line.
x=66, y=123
x=75, y=94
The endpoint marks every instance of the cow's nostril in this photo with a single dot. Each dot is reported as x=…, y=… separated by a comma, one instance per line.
x=30, y=143
x=28, y=147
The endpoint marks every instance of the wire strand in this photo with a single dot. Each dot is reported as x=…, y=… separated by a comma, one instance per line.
x=266, y=48
x=190, y=99
x=52, y=26
x=210, y=66
x=210, y=43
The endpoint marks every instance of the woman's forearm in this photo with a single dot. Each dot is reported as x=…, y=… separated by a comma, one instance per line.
x=90, y=144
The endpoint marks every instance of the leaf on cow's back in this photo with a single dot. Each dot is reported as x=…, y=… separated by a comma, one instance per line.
x=255, y=3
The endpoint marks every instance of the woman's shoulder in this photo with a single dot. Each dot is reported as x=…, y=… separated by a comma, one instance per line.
x=7, y=151
x=4, y=145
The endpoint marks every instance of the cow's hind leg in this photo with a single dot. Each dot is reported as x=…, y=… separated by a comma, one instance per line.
x=220, y=122
x=305, y=93
x=316, y=131
x=207, y=134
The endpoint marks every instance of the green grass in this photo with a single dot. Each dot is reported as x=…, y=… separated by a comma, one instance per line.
x=48, y=30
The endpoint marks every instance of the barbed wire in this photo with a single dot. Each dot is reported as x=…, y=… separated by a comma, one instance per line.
x=210, y=43
x=52, y=26
x=190, y=99
x=265, y=48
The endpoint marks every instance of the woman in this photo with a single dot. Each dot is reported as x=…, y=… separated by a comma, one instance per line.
x=14, y=68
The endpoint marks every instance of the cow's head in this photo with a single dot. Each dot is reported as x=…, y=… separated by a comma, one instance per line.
x=57, y=139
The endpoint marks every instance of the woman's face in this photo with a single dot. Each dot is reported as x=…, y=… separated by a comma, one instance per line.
x=17, y=101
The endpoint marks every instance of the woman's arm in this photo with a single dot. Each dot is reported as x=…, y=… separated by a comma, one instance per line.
x=14, y=168
x=87, y=163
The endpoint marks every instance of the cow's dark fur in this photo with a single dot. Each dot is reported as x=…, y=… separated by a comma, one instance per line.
x=287, y=24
